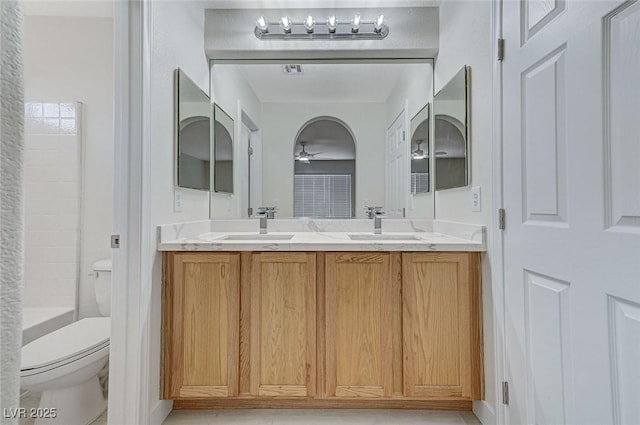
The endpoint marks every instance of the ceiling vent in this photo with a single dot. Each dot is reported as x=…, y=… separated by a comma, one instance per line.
x=292, y=69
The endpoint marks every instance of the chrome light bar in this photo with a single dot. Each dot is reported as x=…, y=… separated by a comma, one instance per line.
x=329, y=29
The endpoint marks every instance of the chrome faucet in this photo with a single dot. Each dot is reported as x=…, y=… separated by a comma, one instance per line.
x=269, y=212
x=263, y=225
x=377, y=225
x=372, y=212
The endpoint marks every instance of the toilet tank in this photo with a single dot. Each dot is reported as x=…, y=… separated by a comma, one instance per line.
x=102, y=276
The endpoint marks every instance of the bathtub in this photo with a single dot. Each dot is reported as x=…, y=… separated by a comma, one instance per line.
x=39, y=321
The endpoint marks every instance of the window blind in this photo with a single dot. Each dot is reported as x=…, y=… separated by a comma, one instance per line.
x=419, y=182
x=322, y=196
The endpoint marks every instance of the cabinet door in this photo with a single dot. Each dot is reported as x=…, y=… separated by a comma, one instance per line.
x=441, y=330
x=201, y=325
x=283, y=324
x=359, y=325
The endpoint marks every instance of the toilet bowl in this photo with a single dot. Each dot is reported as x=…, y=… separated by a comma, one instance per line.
x=64, y=365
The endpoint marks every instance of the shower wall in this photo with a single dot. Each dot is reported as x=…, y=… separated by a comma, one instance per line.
x=53, y=155
x=70, y=58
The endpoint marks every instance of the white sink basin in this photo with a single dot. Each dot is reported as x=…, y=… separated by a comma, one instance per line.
x=257, y=237
x=384, y=237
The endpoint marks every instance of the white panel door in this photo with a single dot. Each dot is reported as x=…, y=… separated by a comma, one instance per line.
x=572, y=198
x=397, y=172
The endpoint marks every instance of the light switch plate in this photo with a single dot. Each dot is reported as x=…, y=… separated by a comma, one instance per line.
x=177, y=200
x=476, y=199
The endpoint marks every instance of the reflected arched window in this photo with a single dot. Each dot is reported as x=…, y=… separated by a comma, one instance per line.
x=325, y=170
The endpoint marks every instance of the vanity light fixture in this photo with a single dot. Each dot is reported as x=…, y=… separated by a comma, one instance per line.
x=309, y=24
x=262, y=25
x=308, y=28
x=379, y=24
x=355, y=24
x=285, y=23
x=332, y=24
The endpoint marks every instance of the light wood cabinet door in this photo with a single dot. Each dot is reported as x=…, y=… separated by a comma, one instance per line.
x=283, y=324
x=201, y=346
x=441, y=330
x=359, y=324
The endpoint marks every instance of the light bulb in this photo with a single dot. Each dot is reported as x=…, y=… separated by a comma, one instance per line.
x=303, y=159
x=262, y=24
x=332, y=24
x=309, y=23
x=285, y=23
x=377, y=27
x=356, y=23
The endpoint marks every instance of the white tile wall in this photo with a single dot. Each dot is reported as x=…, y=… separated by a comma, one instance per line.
x=52, y=202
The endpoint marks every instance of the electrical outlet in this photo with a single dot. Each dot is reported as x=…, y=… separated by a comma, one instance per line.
x=476, y=199
x=177, y=200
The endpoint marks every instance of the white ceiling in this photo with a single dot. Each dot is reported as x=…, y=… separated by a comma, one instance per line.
x=300, y=4
x=325, y=83
x=74, y=8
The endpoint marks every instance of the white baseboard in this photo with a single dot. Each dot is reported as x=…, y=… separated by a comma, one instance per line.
x=160, y=411
x=485, y=412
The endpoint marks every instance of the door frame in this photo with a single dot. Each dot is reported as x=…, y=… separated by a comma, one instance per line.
x=496, y=239
x=255, y=133
x=131, y=326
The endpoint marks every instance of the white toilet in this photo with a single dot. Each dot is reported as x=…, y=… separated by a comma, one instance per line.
x=65, y=364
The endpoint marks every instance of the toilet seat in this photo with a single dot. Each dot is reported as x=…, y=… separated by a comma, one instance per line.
x=65, y=345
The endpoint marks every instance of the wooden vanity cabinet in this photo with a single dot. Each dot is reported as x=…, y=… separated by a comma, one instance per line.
x=441, y=326
x=335, y=329
x=282, y=331
x=359, y=325
x=201, y=325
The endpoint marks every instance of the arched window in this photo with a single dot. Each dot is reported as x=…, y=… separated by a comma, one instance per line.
x=325, y=170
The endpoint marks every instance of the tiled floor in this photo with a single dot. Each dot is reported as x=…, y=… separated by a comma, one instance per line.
x=31, y=400
x=295, y=416
x=319, y=417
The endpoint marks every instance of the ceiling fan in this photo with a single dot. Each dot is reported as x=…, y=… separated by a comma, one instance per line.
x=303, y=155
x=418, y=153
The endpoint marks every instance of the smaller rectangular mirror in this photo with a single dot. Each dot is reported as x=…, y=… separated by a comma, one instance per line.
x=451, y=139
x=420, y=152
x=193, y=134
x=223, y=150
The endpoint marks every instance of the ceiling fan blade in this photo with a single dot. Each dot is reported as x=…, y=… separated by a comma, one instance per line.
x=314, y=154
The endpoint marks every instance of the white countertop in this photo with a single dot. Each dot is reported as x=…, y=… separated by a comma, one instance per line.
x=322, y=235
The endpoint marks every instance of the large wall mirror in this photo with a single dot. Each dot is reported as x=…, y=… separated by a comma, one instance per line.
x=223, y=150
x=420, y=152
x=321, y=138
x=451, y=144
x=193, y=134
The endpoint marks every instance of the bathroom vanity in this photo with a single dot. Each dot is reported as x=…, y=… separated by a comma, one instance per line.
x=312, y=315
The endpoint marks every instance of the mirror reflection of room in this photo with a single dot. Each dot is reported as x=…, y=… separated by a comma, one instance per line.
x=451, y=135
x=323, y=140
x=420, y=152
x=223, y=128
x=193, y=110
